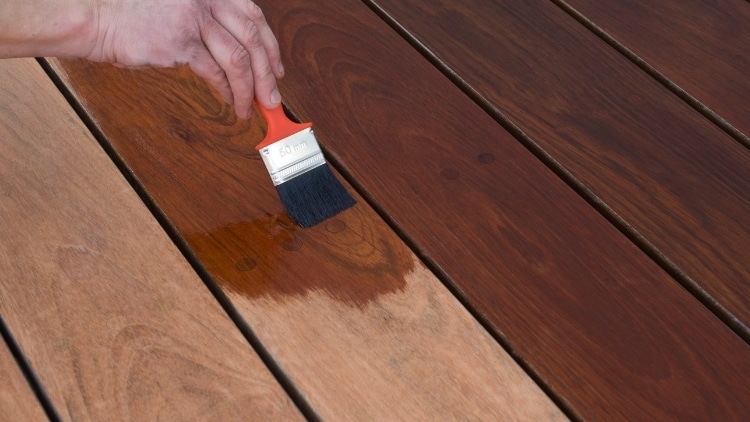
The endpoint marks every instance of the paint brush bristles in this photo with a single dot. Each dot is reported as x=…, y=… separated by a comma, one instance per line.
x=314, y=196
x=306, y=186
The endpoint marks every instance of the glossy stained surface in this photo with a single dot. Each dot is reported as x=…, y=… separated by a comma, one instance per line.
x=701, y=46
x=676, y=181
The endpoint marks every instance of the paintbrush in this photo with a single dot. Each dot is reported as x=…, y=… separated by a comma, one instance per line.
x=306, y=186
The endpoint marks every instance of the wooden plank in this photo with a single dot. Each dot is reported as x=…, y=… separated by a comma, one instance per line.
x=608, y=331
x=677, y=182
x=112, y=319
x=17, y=401
x=702, y=47
x=356, y=321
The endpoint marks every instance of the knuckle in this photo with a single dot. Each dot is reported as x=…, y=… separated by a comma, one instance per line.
x=254, y=11
x=265, y=73
x=215, y=73
x=239, y=58
x=252, y=33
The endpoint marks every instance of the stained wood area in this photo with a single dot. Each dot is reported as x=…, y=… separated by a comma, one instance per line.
x=610, y=332
x=112, y=319
x=355, y=320
x=700, y=46
x=360, y=326
x=17, y=401
x=672, y=178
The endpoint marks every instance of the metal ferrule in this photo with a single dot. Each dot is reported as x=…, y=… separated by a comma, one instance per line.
x=292, y=156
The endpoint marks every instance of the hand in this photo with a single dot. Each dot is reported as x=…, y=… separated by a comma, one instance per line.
x=227, y=42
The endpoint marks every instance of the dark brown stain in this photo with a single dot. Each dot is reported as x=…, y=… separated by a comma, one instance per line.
x=486, y=157
x=449, y=173
x=245, y=264
x=335, y=226
x=347, y=257
x=292, y=244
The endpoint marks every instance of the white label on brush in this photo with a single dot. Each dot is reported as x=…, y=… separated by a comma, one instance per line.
x=292, y=156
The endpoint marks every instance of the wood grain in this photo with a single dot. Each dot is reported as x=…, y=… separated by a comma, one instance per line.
x=700, y=46
x=676, y=181
x=110, y=316
x=359, y=325
x=17, y=400
x=612, y=334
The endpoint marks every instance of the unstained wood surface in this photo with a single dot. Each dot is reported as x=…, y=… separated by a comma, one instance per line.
x=17, y=401
x=701, y=46
x=112, y=319
x=360, y=326
x=675, y=180
x=611, y=333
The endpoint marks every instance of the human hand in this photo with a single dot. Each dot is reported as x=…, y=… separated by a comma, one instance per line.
x=227, y=42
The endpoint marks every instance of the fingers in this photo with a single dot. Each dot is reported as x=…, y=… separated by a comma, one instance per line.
x=234, y=59
x=226, y=42
x=245, y=21
x=206, y=67
x=270, y=44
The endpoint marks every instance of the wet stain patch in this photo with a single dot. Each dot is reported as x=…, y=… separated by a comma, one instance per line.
x=245, y=264
x=292, y=244
x=348, y=258
x=335, y=226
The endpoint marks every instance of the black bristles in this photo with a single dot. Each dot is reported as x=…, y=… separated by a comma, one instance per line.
x=314, y=196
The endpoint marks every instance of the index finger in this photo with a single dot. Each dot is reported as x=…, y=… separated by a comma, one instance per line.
x=248, y=26
x=270, y=43
x=234, y=59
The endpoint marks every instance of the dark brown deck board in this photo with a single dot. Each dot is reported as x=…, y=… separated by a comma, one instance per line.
x=359, y=326
x=700, y=47
x=676, y=182
x=611, y=333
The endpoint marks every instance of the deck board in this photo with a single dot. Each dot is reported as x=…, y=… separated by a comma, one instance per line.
x=699, y=46
x=612, y=334
x=678, y=183
x=17, y=400
x=113, y=321
x=359, y=325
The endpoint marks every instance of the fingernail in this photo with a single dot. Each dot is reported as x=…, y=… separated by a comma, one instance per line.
x=281, y=69
x=275, y=96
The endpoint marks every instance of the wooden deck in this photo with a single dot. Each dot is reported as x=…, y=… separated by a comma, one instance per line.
x=553, y=223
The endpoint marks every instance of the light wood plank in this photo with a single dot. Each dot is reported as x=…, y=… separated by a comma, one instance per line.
x=354, y=319
x=17, y=400
x=111, y=317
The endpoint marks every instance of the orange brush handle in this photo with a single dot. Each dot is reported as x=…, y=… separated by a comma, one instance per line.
x=279, y=126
